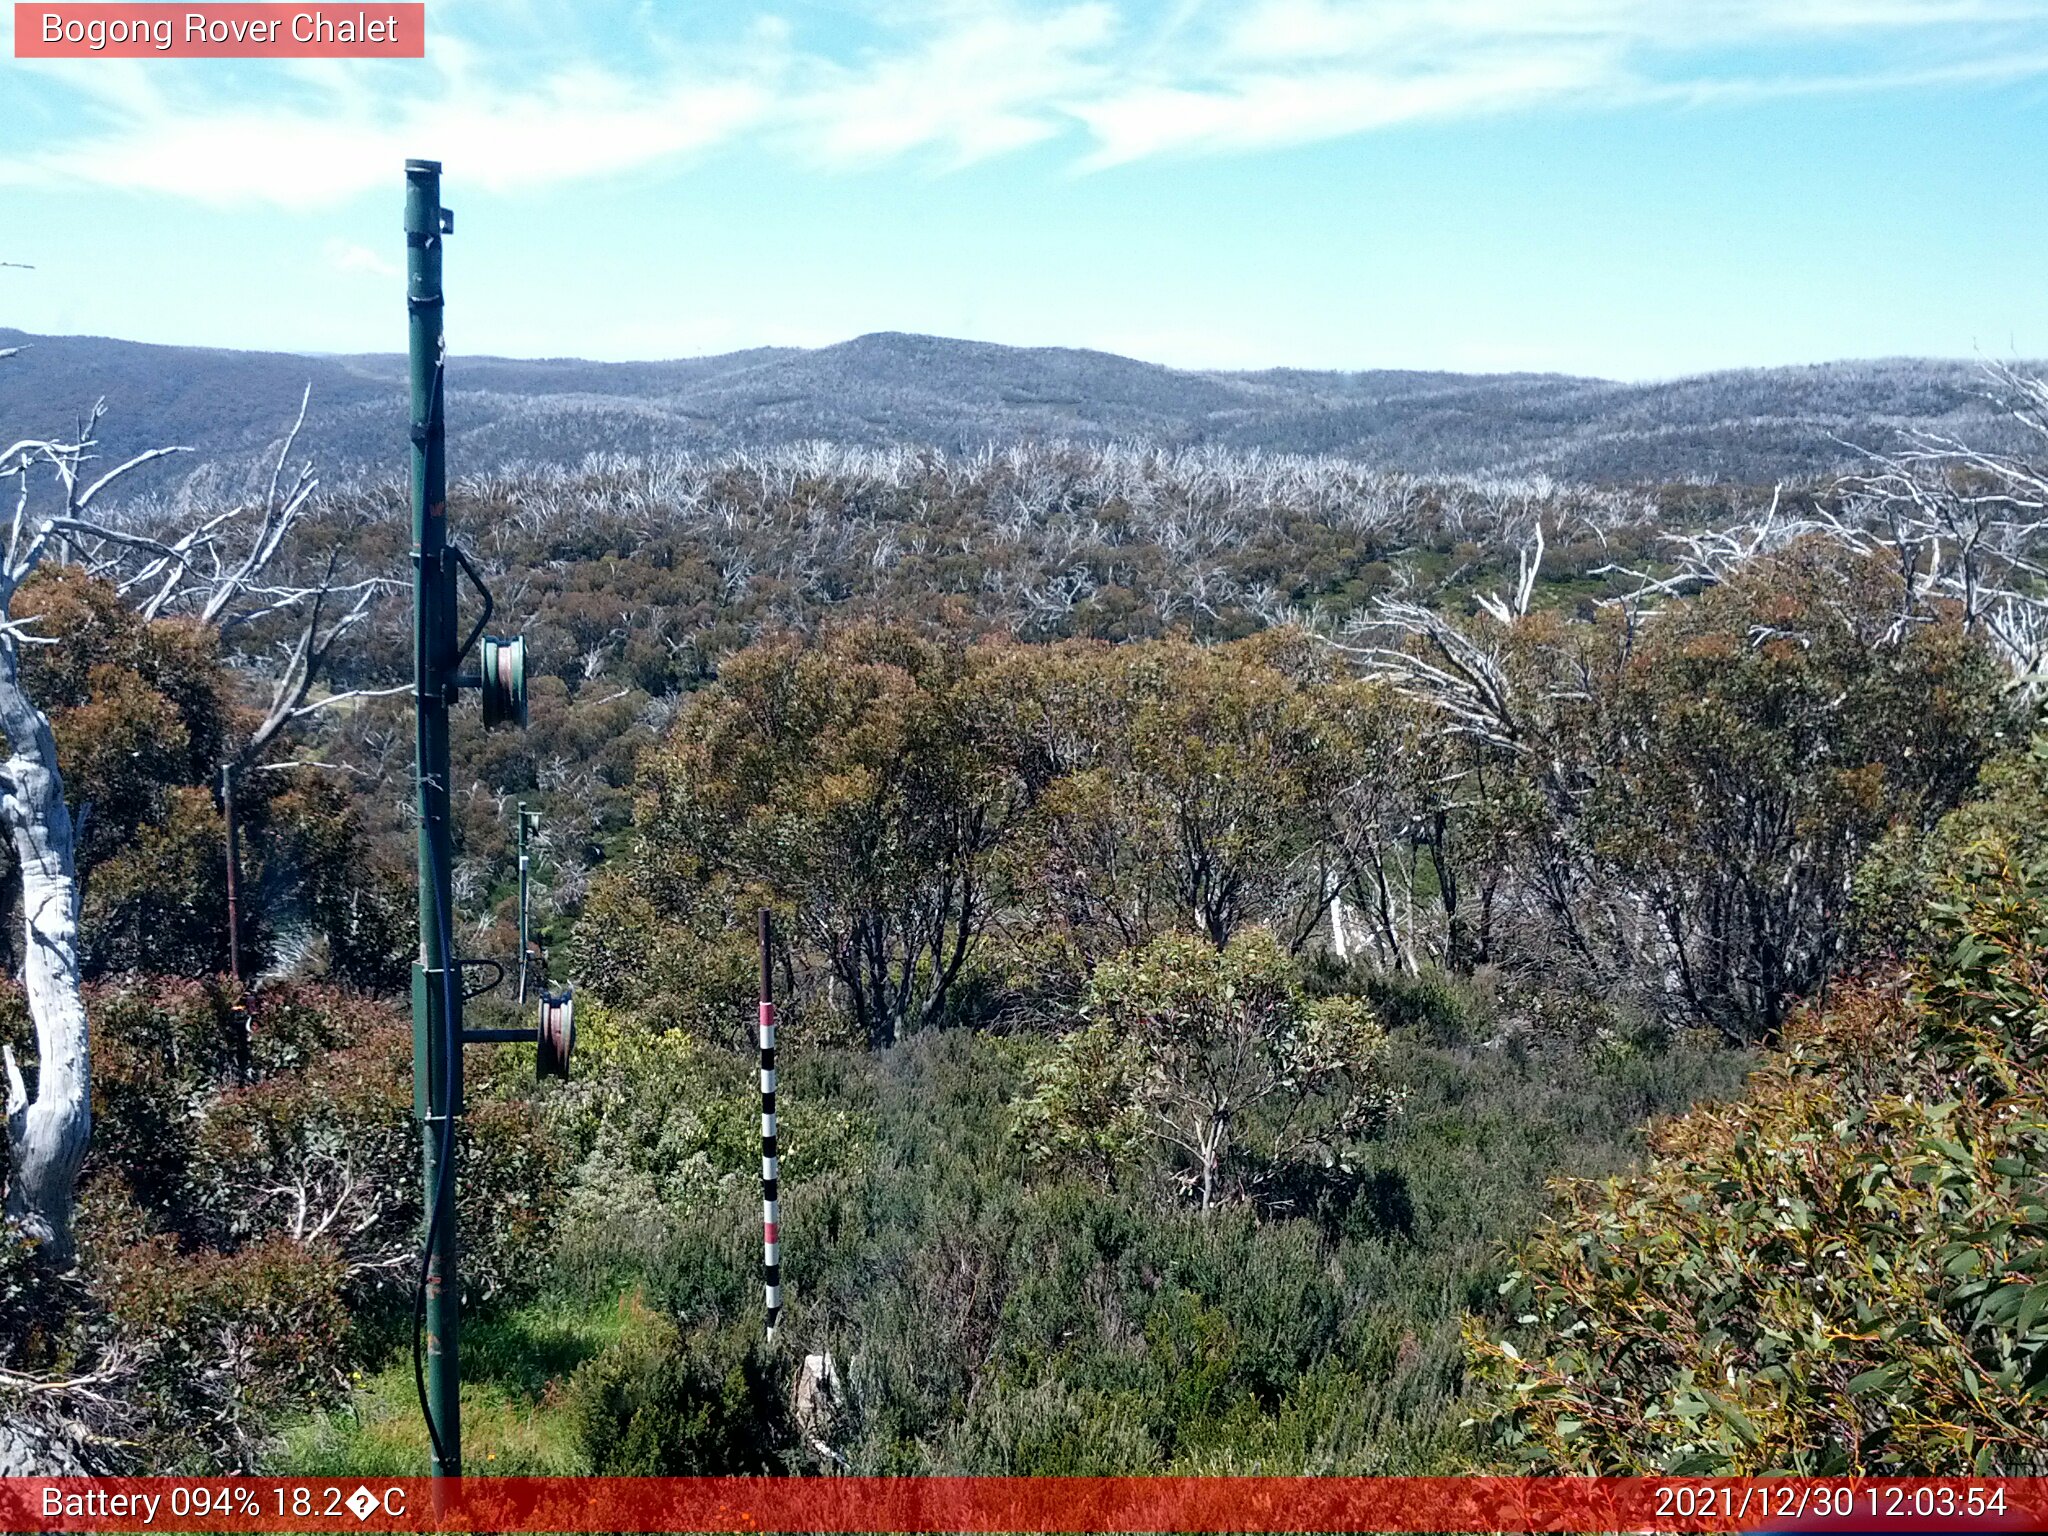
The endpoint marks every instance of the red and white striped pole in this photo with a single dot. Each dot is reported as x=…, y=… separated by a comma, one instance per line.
x=771, y=1246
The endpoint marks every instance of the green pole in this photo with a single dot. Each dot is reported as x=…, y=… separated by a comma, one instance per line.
x=437, y=1000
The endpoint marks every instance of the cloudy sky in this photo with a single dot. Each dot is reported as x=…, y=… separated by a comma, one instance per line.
x=1634, y=188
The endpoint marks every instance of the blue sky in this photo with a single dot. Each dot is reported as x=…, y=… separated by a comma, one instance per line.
x=1633, y=188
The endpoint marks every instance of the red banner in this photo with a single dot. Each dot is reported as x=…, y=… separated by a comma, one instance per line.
x=211, y=31
x=991, y=1504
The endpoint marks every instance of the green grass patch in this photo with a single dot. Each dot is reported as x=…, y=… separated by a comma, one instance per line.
x=516, y=1365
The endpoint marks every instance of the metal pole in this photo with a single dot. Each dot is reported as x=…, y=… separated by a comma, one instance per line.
x=227, y=811
x=771, y=1214
x=524, y=965
x=437, y=998
x=234, y=842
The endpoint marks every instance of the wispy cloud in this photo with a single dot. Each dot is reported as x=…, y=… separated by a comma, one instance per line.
x=326, y=143
x=1267, y=108
x=1293, y=71
x=347, y=256
x=986, y=81
x=543, y=92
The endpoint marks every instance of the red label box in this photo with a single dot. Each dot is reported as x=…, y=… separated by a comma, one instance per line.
x=1072, y=1505
x=233, y=31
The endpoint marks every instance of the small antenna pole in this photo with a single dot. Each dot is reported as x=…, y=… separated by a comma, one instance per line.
x=234, y=842
x=232, y=827
x=525, y=951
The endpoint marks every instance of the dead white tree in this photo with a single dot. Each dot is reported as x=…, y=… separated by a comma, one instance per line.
x=1965, y=525
x=47, y=1130
x=1497, y=705
x=221, y=570
x=226, y=571
x=1961, y=524
x=1530, y=563
x=1965, y=528
x=1696, y=561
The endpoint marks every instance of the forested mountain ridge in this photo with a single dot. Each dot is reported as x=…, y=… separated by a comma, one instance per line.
x=1750, y=426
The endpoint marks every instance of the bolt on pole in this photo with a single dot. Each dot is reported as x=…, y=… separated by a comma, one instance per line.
x=437, y=994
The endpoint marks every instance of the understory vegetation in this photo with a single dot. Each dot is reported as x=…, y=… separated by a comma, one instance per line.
x=1214, y=899
x=989, y=1317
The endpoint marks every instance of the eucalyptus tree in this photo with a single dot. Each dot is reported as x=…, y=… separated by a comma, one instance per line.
x=847, y=782
x=1688, y=781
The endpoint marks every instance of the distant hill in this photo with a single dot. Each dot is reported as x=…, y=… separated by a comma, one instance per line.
x=1756, y=425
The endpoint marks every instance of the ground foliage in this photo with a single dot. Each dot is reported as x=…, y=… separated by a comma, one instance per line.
x=990, y=1315
x=251, y=1214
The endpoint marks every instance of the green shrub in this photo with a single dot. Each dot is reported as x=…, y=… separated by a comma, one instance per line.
x=329, y=1153
x=1086, y=1109
x=1898, y=886
x=1220, y=1057
x=660, y=1404
x=1432, y=1004
x=1846, y=1273
x=661, y=1127
x=229, y=1343
x=41, y=1309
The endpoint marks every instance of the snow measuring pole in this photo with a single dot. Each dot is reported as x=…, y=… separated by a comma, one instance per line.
x=771, y=1162
x=437, y=989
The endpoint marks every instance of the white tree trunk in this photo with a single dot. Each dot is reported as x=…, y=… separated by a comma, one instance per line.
x=46, y=1134
x=1209, y=1146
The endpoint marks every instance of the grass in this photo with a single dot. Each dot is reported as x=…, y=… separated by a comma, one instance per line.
x=515, y=1422
x=992, y=1320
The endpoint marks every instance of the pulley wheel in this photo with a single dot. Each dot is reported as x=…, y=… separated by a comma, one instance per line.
x=504, y=682
x=557, y=1037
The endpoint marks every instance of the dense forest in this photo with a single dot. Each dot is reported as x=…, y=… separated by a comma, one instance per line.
x=1288, y=967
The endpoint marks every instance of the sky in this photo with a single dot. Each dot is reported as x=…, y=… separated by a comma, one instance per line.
x=1627, y=188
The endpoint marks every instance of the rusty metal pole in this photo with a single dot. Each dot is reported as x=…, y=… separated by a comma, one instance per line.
x=234, y=839
x=233, y=827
